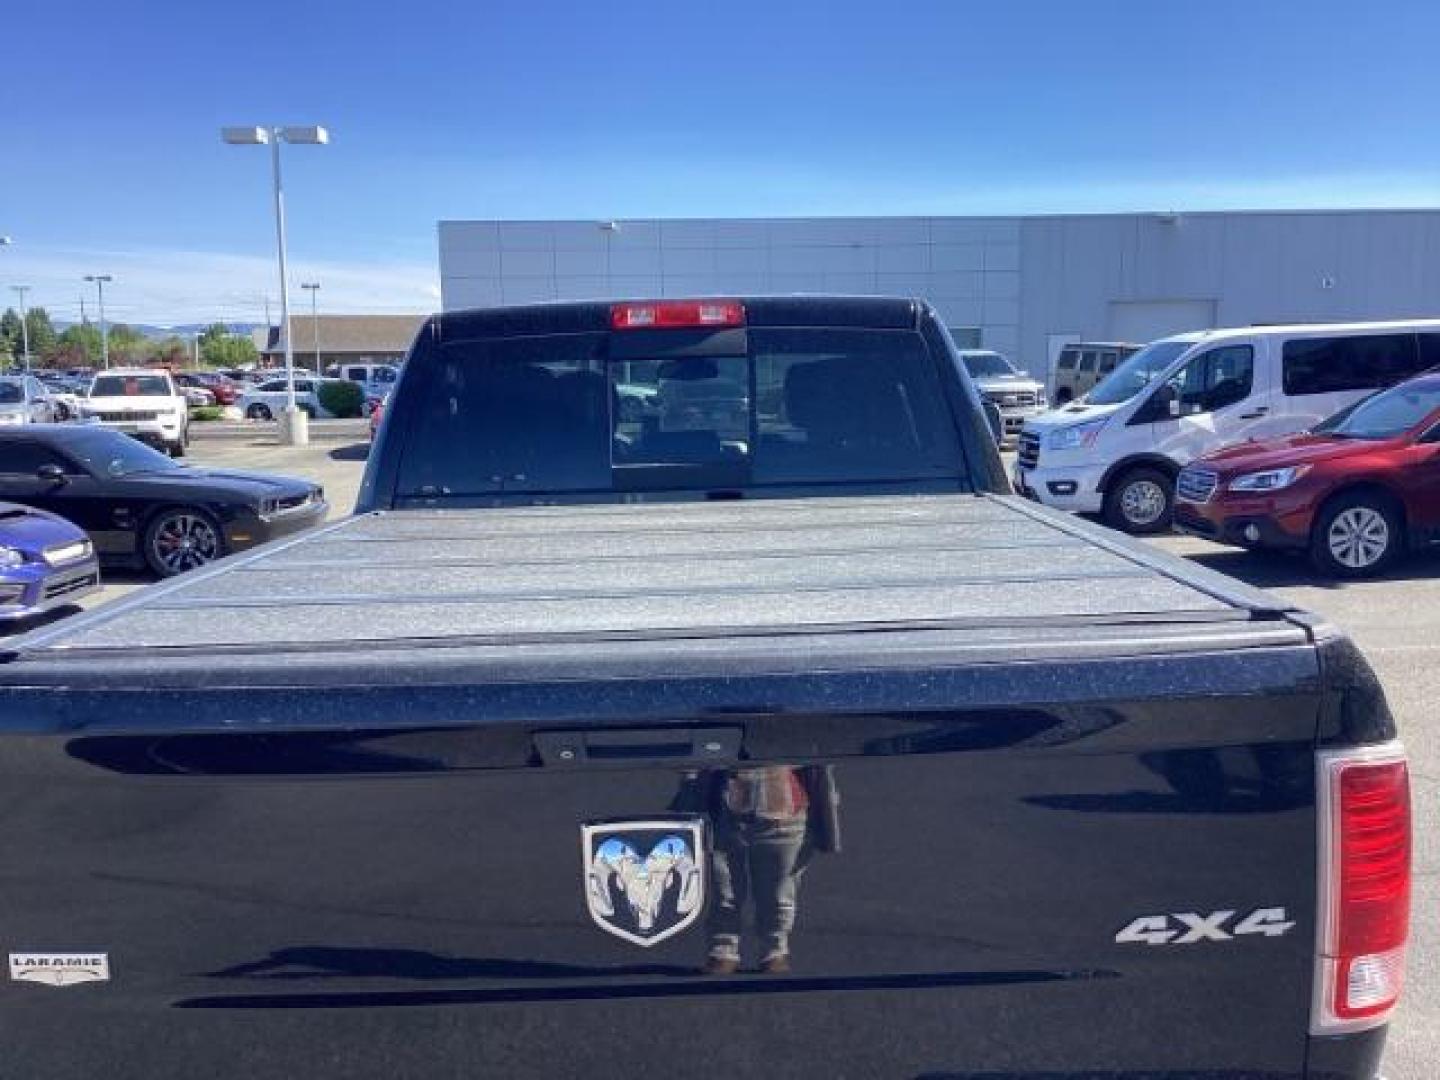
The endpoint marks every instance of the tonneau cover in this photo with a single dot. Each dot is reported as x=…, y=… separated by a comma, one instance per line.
x=993, y=569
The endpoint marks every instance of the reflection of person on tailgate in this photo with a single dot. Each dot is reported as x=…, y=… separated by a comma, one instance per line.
x=766, y=824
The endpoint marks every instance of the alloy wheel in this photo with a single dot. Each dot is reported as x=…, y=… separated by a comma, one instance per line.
x=1142, y=502
x=1358, y=538
x=182, y=541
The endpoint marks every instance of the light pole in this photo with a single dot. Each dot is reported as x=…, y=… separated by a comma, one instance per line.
x=100, y=281
x=24, y=326
x=313, y=288
x=5, y=241
x=294, y=430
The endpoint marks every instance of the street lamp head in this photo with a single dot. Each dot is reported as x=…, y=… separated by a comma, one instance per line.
x=309, y=284
x=310, y=134
x=245, y=136
x=99, y=277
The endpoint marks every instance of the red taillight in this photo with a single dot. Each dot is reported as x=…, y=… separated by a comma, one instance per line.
x=676, y=314
x=1364, y=802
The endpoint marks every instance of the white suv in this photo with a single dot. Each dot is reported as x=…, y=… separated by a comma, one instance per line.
x=142, y=402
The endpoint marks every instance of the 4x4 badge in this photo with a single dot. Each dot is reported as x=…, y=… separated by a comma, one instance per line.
x=644, y=880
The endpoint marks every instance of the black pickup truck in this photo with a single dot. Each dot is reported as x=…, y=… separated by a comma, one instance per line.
x=690, y=697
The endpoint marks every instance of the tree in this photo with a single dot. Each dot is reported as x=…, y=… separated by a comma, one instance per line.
x=10, y=335
x=42, y=333
x=127, y=346
x=173, y=352
x=220, y=348
x=41, y=336
x=78, y=346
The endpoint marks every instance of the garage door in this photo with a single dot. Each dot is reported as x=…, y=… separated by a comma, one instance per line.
x=1146, y=320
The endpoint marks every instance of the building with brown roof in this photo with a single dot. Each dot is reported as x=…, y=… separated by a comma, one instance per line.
x=339, y=339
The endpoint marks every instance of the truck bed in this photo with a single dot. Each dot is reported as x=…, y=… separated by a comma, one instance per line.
x=835, y=578
x=363, y=857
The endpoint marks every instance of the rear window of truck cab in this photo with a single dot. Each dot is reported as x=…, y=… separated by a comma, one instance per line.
x=722, y=411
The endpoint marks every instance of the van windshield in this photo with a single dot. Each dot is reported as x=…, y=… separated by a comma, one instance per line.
x=1138, y=372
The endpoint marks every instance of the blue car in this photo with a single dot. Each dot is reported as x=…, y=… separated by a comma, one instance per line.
x=45, y=563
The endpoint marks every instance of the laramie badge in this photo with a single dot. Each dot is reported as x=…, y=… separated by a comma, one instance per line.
x=59, y=969
x=644, y=880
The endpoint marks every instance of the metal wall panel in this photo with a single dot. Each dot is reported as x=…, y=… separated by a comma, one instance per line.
x=1020, y=280
x=971, y=267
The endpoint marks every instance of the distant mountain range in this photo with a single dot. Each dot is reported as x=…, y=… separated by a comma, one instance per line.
x=184, y=330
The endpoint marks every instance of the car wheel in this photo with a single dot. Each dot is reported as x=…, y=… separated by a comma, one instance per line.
x=1356, y=535
x=259, y=411
x=181, y=539
x=1140, y=502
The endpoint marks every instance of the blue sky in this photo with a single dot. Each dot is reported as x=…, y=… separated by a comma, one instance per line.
x=111, y=158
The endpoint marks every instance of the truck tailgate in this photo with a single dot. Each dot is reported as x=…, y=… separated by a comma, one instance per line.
x=942, y=776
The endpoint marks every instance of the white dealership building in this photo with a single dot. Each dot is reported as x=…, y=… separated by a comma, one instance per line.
x=1022, y=285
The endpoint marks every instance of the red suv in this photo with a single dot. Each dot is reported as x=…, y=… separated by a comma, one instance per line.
x=1355, y=491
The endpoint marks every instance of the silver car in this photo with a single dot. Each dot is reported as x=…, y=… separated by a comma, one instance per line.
x=24, y=400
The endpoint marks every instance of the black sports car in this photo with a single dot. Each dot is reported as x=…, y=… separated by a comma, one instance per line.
x=141, y=507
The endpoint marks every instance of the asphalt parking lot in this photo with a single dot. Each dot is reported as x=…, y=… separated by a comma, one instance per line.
x=1396, y=620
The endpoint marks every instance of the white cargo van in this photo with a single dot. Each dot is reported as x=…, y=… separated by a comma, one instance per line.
x=1118, y=451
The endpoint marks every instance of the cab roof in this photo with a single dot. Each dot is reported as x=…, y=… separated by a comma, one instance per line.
x=871, y=312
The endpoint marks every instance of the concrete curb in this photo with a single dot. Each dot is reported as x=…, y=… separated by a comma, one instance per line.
x=320, y=430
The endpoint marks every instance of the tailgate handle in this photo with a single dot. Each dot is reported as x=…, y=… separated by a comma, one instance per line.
x=639, y=746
